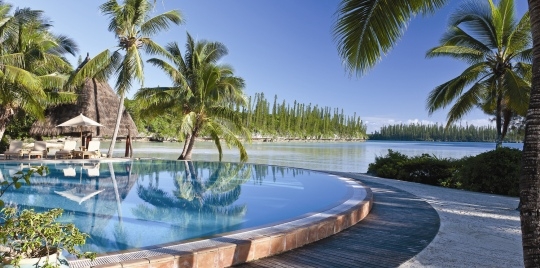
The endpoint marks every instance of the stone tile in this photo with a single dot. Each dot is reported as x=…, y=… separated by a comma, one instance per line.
x=208, y=258
x=163, y=261
x=226, y=256
x=313, y=233
x=186, y=261
x=290, y=241
x=277, y=244
x=302, y=236
x=326, y=229
x=243, y=253
x=261, y=248
x=139, y=263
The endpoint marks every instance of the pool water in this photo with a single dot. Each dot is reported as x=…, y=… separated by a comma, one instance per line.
x=137, y=204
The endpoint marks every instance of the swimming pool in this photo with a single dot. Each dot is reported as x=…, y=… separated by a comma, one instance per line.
x=141, y=204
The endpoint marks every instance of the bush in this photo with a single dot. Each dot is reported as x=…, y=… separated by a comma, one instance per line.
x=428, y=169
x=388, y=166
x=495, y=172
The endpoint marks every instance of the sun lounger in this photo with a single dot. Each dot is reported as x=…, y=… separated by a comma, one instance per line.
x=39, y=150
x=15, y=149
x=67, y=151
x=93, y=150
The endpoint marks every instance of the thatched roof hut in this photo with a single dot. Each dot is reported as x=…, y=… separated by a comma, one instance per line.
x=96, y=100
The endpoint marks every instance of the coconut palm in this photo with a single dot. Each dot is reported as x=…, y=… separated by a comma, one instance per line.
x=203, y=96
x=367, y=29
x=32, y=68
x=497, y=48
x=133, y=27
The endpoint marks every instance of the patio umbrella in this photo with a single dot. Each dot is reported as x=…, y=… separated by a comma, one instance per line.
x=80, y=121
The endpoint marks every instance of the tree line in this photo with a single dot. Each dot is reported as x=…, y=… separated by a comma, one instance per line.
x=266, y=120
x=436, y=132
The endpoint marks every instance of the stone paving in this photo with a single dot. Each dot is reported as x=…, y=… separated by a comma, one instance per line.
x=416, y=225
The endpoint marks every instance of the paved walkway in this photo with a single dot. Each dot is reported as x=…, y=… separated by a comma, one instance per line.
x=476, y=230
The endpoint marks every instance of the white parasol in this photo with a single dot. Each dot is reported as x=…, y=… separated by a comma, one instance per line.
x=80, y=121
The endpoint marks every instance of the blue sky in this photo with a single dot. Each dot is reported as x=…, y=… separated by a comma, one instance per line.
x=286, y=48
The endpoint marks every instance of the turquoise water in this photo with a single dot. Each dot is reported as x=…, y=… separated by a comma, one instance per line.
x=143, y=203
x=333, y=156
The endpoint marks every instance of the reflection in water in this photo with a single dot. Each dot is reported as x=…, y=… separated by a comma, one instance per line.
x=143, y=203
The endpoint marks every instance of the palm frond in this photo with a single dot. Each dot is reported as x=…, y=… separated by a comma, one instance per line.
x=14, y=59
x=92, y=68
x=520, y=39
x=58, y=97
x=53, y=81
x=456, y=36
x=469, y=55
x=170, y=70
x=518, y=91
x=365, y=30
x=21, y=77
x=447, y=92
x=478, y=18
x=161, y=22
x=465, y=103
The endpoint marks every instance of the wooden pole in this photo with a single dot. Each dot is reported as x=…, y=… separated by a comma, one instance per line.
x=128, y=151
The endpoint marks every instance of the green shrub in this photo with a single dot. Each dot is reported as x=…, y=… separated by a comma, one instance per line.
x=388, y=166
x=428, y=169
x=495, y=172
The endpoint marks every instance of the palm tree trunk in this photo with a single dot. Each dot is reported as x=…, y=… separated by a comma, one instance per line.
x=6, y=114
x=507, y=117
x=498, y=121
x=188, y=147
x=530, y=174
x=184, y=149
x=117, y=126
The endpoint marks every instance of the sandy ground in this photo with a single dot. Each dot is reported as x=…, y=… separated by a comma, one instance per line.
x=477, y=230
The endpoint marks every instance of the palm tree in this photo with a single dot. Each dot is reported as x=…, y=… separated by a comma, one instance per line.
x=203, y=96
x=32, y=68
x=367, y=29
x=498, y=50
x=133, y=27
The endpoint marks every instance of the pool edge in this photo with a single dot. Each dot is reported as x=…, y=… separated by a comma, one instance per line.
x=247, y=246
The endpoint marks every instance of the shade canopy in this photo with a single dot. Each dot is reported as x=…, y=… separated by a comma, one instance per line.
x=80, y=120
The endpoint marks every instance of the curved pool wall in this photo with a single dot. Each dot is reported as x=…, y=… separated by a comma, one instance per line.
x=319, y=210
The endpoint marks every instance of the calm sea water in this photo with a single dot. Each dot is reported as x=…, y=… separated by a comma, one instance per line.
x=333, y=156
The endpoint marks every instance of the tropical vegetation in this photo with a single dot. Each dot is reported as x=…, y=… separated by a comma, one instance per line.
x=365, y=30
x=497, y=49
x=133, y=27
x=494, y=172
x=203, y=96
x=436, y=132
x=33, y=70
x=268, y=121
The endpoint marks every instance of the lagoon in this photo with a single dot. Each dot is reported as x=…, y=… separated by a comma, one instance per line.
x=331, y=156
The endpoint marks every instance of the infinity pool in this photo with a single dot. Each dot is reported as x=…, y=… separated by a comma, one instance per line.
x=137, y=204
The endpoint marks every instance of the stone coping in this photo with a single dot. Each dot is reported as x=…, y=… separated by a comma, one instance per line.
x=244, y=246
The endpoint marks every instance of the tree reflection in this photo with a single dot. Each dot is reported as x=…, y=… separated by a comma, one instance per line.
x=201, y=189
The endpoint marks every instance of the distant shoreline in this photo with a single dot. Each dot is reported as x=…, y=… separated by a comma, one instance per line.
x=258, y=139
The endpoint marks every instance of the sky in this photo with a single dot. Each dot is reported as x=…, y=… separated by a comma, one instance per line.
x=286, y=48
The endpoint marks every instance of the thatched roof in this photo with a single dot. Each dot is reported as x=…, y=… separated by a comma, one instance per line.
x=96, y=100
